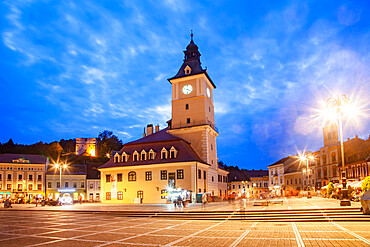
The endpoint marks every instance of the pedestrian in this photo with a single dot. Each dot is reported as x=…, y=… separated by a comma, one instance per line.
x=179, y=200
x=36, y=200
x=80, y=199
x=204, y=199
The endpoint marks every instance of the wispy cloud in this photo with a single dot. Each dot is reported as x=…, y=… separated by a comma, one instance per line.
x=96, y=66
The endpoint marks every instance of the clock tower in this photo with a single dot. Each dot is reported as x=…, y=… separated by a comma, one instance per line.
x=192, y=108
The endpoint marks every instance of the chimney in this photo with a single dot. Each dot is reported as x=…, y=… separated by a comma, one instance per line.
x=144, y=135
x=157, y=128
x=356, y=136
x=347, y=139
x=149, y=129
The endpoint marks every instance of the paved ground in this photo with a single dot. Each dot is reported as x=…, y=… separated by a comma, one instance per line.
x=52, y=228
x=288, y=203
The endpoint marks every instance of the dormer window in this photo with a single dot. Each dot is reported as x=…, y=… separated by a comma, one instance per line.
x=116, y=158
x=151, y=154
x=135, y=156
x=124, y=157
x=187, y=70
x=143, y=155
x=173, y=153
x=164, y=153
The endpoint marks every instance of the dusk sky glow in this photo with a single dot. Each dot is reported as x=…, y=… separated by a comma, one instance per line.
x=72, y=69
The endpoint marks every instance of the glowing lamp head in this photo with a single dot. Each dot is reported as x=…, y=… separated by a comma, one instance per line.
x=65, y=166
x=92, y=152
x=56, y=166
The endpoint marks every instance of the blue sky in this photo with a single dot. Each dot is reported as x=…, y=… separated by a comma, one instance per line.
x=75, y=68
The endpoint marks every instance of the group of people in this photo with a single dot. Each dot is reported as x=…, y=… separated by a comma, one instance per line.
x=179, y=201
x=7, y=203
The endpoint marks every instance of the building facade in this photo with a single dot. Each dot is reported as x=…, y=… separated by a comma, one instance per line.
x=276, y=177
x=181, y=156
x=86, y=146
x=70, y=184
x=22, y=176
x=93, y=182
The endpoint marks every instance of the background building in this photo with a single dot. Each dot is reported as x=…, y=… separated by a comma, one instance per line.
x=93, y=182
x=22, y=176
x=276, y=177
x=86, y=146
x=73, y=182
x=248, y=183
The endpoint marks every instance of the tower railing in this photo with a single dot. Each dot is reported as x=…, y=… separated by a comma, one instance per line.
x=193, y=124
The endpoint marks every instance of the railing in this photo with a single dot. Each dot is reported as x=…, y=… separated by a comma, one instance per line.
x=194, y=123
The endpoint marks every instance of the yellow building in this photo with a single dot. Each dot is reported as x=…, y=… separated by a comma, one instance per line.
x=22, y=176
x=69, y=185
x=249, y=184
x=183, y=155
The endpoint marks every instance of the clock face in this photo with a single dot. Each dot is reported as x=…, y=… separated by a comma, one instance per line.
x=187, y=89
x=208, y=92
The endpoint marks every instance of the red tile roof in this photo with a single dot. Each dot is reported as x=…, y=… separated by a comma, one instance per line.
x=156, y=142
x=33, y=158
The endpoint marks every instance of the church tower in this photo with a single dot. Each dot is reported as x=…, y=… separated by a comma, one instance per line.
x=192, y=107
x=330, y=134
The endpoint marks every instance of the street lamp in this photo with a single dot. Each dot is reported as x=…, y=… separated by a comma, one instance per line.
x=305, y=157
x=338, y=107
x=59, y=166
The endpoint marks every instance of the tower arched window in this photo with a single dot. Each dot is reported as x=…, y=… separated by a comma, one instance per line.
x=132, y=176
x=333, y=157
x=187, y=107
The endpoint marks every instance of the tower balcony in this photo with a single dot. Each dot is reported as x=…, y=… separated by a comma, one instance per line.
x=182, y=125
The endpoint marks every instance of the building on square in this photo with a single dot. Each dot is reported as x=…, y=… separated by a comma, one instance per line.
x=93, y=182
x=70, y=185
x=86, y=146
x=276, y=176
x=22, y=176
x=248, y=183
x=181, y=156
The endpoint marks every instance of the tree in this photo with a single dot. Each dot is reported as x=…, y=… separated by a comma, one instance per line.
x=366, y=184
x=330, y=188
x=54, y=150
x=69, y=146
x=107, y=142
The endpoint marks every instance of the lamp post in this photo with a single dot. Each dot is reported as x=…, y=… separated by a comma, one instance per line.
x=59, y=166
x=338, y=106
x=305, y=157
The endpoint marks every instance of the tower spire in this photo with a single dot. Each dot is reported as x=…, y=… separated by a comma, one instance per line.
x=191, y=36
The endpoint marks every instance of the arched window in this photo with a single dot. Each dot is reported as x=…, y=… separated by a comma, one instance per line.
x=333, y=157
x=116, y=159
x=187, y=107
x=324, y=159
x=131, y=176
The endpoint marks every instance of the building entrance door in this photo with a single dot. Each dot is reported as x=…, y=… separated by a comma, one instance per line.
x=140, y=194
x=171, y=180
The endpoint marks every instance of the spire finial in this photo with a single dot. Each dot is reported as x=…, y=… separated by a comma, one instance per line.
x=191, y=34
